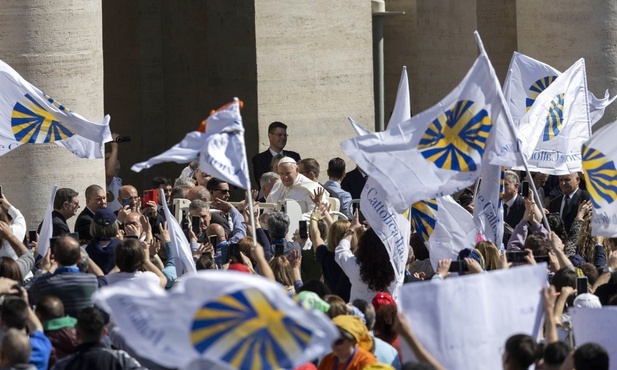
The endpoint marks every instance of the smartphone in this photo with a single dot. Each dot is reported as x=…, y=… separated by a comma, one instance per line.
x=234, y=252
x=213, y=240
x=543, y=258
x=195, y=220
x=515, y=256
x=303, y=229
x=52, y=244
x=126, y=202
x=148, y=197
x=525, y=189
x=458, y=266
x=155, y=196
x=131, y=237
x=581, y=285
x=32, y=235
x=279, y=250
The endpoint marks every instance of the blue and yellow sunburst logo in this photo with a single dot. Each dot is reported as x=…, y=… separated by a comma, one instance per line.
x=31, y=123
x=423, y=218
x=248, y=333
x=601, y=177
x=456, y=139
x=536, y=88
x=554, y=119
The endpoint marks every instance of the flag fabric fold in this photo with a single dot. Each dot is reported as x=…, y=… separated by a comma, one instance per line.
x=487, y=208
x=557, y=123
x=220, y=151
x=223, y=154
x=439, y=151
x=402, y=104
x=599, y=158
x=47, y=227
x=185, y=151
x=27, y=115
x=597, y=106
x=392, y=228
x=447, y=227
x=180, y=247
x=234, y=319
x=358, y=128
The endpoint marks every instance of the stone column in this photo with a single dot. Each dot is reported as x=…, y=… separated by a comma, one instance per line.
x=314, y=68
x=562, y=31
x=56, y=46
x=445, y=51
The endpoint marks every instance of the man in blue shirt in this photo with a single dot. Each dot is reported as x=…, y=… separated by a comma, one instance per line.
x=336, y=172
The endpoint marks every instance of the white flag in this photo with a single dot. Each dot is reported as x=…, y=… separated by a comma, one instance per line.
x=223, y=154
x=47, y=228
x=402, y=105
x=392, y=227
x=557, y=124
x=185, y=151
x=464, y=322
x=454, y=230
x=180, y=247
x=27, y=115
x=439, y=151
x=235, y=319
x=599, y=158
x=487, y=208
x=220, y=150
x=528, y=77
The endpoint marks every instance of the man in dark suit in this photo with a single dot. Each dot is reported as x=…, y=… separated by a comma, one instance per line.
x=277, y=135
x=567, y=203
x=96, y=198
x=353, y=182
x=513, y=203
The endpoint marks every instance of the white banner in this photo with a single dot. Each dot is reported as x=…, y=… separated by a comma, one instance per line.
x=596, y=326
x=464, y=322
x=392, y=227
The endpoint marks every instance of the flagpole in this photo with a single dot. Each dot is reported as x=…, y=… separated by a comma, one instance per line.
x=512, y=130
x=252, y=215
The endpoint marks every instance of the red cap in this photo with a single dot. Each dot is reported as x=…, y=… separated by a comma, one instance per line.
x=383, y=299
x=239, y=267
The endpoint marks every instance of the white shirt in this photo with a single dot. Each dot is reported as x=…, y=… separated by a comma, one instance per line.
x=359, y=289
x=115, y=277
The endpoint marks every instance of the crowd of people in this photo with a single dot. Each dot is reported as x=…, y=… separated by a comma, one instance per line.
x=338, y=266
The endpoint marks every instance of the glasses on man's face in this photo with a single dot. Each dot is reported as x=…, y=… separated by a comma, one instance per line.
x=224, y=191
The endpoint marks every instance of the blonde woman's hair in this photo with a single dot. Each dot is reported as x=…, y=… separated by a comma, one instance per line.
x=337, y=232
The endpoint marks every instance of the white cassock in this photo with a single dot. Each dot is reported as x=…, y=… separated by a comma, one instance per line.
x=300, y=191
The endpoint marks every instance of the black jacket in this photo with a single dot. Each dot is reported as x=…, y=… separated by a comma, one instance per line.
x=261, y=163
x=95, y=356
